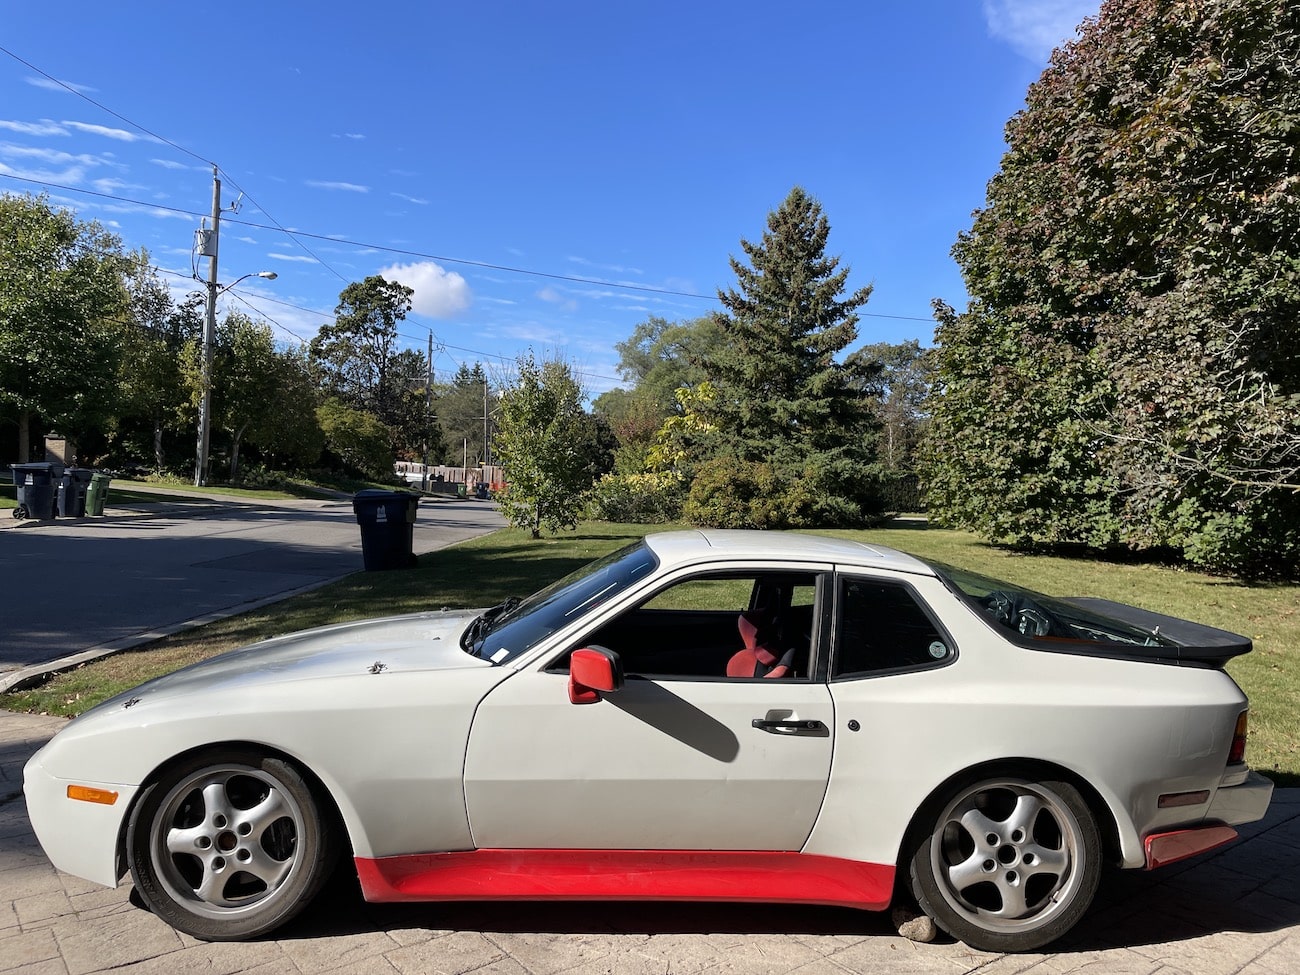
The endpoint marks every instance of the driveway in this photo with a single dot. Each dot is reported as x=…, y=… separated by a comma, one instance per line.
x=1236, y=910
x=77, y=585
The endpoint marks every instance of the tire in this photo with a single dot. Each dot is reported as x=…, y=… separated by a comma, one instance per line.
x=1008, y=864
x=20, y=511
x=229, y=844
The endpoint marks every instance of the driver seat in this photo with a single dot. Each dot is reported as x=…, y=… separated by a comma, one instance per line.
x=757, y=659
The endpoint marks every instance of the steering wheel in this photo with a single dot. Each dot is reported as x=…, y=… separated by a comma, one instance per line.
x=1018, y=613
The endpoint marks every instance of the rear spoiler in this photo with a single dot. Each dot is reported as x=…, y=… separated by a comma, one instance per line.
x=1195, y=645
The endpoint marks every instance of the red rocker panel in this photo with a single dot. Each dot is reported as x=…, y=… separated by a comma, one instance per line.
x=686, y=875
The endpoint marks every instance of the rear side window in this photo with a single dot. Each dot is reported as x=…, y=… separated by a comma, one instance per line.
x=881, y=628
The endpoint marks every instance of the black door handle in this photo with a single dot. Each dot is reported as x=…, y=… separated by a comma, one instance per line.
x=763, y=724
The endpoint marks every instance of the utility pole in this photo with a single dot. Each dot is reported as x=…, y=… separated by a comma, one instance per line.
x=428, y=412
x=209, y=248
x=487, y=450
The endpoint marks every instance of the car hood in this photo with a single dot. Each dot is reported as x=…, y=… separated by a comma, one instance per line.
x=419, y=642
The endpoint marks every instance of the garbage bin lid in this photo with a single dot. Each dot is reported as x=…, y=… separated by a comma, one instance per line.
x=376, y=494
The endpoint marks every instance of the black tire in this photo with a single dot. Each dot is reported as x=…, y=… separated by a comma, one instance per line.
x=20, y=511
x=229, y=844
x=1008, y=864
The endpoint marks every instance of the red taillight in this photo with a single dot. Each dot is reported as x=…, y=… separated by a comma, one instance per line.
x=1237, y=754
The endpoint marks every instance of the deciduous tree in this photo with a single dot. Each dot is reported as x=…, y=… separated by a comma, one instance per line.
x=1128, y=369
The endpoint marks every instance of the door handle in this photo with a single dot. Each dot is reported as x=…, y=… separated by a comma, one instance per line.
x=766, y=724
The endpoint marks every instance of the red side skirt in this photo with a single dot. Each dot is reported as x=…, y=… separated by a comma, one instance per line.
x=677, y=875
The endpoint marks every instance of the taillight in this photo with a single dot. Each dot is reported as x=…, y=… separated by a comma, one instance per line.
x=1237, y=754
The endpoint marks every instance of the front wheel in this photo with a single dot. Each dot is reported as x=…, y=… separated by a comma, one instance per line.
x=1008, y=864
x=229, y=844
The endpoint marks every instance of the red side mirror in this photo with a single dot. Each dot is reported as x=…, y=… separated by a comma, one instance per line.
x=592, y=671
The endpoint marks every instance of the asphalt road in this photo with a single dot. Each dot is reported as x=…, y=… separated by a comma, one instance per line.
x=70, y=586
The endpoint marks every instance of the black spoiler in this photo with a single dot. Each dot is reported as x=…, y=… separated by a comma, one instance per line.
x=1195, y=644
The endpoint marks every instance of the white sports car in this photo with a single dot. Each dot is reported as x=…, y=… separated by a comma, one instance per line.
x=703, y=715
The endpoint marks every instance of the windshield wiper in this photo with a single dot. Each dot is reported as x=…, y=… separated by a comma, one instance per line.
x=484, y=624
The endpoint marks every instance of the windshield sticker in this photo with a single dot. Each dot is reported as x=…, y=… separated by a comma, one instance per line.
x=500, y=655
x=937, y=650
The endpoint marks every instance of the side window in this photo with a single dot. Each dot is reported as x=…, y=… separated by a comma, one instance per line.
x=881, y=627
x=691, y=630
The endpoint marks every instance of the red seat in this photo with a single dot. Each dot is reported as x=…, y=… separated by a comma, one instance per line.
x=757, y=659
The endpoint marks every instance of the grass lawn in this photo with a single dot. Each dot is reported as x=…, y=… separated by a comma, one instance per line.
x=508, y=562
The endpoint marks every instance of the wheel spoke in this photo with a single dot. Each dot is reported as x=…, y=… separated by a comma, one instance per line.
x=266, y=813
x=216, y=802
x=969, y=872
x=1023, y=817
x=266, y=868
x=187, y=840
x=1041, y=860
x=980, y=828
x=1013, y=897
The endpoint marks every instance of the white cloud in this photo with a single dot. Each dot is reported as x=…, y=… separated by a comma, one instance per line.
x=295, y=258
x=411, y=199
x=438, y=293
x=554, y=297
x=1034, y=27
x=72, y=176
x=43, y=127
x=121, y=135
x=51, y=85
x=321, y=184
x=170, y=164
x=52, y=157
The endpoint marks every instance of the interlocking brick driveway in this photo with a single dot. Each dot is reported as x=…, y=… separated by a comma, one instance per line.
x=1233, y=911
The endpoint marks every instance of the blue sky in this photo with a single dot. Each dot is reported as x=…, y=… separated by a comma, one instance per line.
x=545, y=175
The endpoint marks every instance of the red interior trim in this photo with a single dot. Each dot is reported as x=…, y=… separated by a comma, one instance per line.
x=687, y=875
x=1166, y=848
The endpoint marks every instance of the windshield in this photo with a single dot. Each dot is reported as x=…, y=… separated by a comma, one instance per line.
x=1031, y=614
x=516, y=628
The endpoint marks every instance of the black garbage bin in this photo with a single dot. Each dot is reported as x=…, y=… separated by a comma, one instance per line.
x=72, y=492
x=387, y=520
x=34, y=487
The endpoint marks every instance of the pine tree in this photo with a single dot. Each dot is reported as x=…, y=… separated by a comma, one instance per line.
x=790, y=420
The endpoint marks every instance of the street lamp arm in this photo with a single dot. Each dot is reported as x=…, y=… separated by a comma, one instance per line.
x=269, y=275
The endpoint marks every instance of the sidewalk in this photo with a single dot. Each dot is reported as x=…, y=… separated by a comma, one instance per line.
x=1236, y=910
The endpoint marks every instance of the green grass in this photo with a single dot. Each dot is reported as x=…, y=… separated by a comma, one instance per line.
x=509, y=562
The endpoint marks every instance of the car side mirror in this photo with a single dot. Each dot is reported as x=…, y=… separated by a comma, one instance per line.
x=593, y=671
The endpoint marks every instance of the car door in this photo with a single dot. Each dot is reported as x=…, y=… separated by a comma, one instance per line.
x=681, y=760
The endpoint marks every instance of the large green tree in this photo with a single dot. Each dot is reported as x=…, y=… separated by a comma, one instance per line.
x=361, y=363
x=153, y=333
x=551, y=450
x=790, y=419
x=60, y=298
x=1128, y=367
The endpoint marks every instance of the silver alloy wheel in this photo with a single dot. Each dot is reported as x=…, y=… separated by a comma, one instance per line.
x=226, y=840
x=1009, y=855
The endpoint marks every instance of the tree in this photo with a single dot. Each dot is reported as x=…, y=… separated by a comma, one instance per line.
x=896, y=377
x=462, y=406
x=544, y=444
x=356, y=438
x=60, y=289
x=153, y=388
x=1127, y=371
x=359, y=361
x=783, y=401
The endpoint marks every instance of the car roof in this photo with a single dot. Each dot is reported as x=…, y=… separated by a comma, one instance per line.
x=680, y=547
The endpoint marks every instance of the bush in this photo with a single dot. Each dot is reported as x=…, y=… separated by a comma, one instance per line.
x=645, y=499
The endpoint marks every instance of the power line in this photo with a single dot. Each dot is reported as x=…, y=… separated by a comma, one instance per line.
x=573, y=279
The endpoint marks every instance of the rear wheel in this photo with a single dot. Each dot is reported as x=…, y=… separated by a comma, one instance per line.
x=229, y=844
x=1008, y=864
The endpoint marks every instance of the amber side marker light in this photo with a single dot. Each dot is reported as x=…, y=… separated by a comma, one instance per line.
x=1237, y=754
x=86, y=794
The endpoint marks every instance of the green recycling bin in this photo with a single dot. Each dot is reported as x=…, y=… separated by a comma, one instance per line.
x=97, y=493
